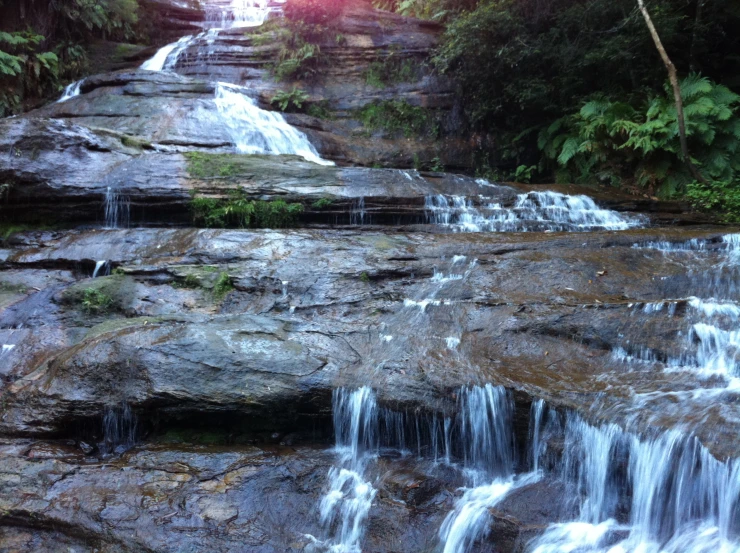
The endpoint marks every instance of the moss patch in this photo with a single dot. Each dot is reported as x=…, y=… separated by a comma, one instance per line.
x=238, y=212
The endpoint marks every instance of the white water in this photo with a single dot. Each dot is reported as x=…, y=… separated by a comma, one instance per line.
x=256, y=131
x=71, y=90
x=712, y=333
x=345, y=506
x=679, y=497
x=116, y=209
x=100, y=265
x=166, y=57
x=534, y=211
x=219, y=16
x=7, y=348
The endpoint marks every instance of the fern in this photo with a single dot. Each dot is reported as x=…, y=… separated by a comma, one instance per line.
x=617, y=143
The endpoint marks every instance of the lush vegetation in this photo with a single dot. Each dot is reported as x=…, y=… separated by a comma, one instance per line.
x=576, y=90
x=398, y=117
x=238, y=212
x=43, y=44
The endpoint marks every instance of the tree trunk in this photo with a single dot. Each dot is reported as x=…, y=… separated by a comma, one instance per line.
x=673, y=78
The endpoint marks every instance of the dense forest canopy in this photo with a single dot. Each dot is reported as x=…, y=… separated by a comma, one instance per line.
x=573, y=90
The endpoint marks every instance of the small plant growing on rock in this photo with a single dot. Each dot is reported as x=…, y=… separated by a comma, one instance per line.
x=95, y=301
x=292, y=100
x=238, y=212
x=223, y=286
x=321, y=203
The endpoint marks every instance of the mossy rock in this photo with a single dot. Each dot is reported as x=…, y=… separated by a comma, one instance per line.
x=100, y=295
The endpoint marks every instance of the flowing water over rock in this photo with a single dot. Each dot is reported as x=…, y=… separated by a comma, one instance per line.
x=431, y=362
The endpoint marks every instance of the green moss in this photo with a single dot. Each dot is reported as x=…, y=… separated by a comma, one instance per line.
x=364, y=277
x=131, y=142
x=320, y=110
x=204, y=165
x=398, y=116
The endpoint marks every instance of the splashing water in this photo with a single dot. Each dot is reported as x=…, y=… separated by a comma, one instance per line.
x=71, y=90
x=534, y=211
x=256, y=131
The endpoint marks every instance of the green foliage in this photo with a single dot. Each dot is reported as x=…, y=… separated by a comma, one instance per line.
x=96, y=301
x=33, y=66
x=629, y=146
x=322, y=203
x=320, y=110
x=222, y=286
x=364, y=277
x=290, y=100
x=521, y=64
x=238, y=212
x=297, y=59
x=524, y=173
x=390, y=70
x=398, y=116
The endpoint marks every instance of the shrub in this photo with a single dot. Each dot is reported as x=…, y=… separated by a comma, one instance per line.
x=289, y=100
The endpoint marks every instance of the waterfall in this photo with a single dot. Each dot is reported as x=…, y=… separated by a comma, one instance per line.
x=166, y=58
x=487, y=439
x=71, y=90
x=680, y=499
x=534, y=211
x=117, y=209
x=256, y=131
x=103, y=264
x=357, y=215
x=119, y=428
x=237, y=14
x=346, y=505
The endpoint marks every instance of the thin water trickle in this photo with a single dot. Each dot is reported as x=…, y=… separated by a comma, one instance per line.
x=119, y=428
x=103, y=264
x=117, y=209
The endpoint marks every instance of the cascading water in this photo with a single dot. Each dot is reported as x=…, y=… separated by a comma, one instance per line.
x=116, y=208
x=71, y=90
x=256, y=131
x=103, y=264
x=345, y=507
x=679, y=498
x=713, y=329
x=166, y=57
x=534, y=211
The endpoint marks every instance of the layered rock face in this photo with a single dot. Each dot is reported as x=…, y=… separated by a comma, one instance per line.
x=406, y=361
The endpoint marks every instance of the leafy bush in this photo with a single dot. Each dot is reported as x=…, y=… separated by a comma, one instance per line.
x=291, y=100
x=640, y=147
x=24, y=69
x=223, y=286
x=297, y=59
